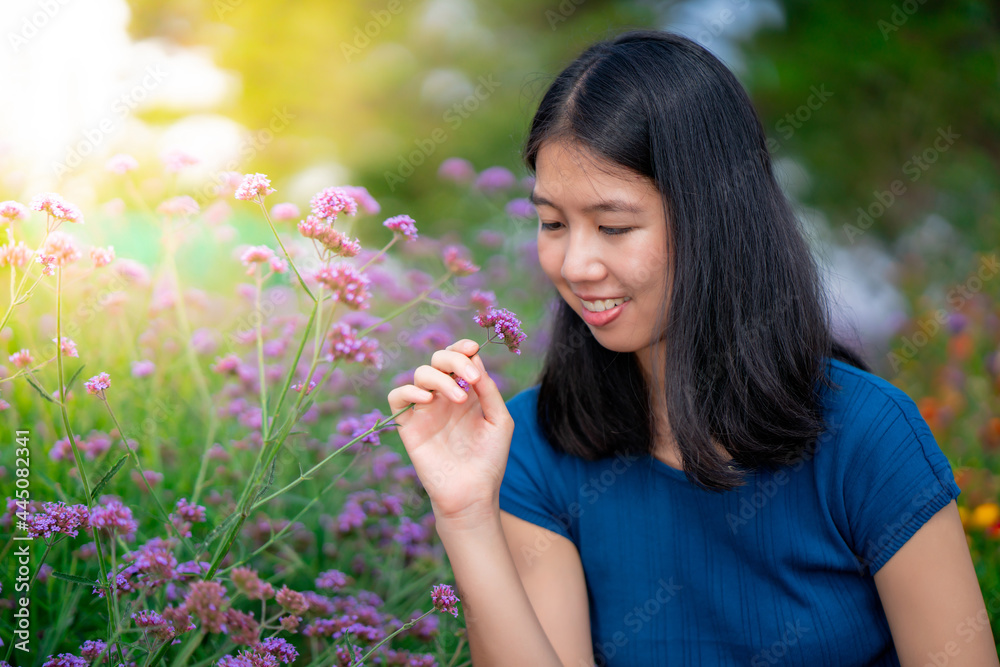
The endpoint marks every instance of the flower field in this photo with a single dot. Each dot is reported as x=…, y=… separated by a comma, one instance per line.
x=199, y=469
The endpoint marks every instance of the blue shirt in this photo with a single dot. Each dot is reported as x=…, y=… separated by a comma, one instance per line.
x=778, y=571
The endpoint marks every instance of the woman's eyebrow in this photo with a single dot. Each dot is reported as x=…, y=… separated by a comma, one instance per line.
x=605, y=206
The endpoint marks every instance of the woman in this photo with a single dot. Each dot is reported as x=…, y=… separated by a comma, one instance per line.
x=702, y=476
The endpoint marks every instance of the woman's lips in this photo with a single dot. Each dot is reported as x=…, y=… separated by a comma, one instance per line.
x=604, y=317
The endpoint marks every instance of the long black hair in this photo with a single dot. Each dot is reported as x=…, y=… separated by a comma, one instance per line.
x=747, y=329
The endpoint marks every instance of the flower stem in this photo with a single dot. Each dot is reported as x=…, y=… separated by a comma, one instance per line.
x=406, y=626
x=379, y=253
x=267, y=217
x=409, y=304
x=112, y=613
x=260, y=359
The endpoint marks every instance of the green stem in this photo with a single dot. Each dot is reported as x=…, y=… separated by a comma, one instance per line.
x=260, y=359
x=406, y=626
x=142, y=472
x=267, y=217
x=379, y=253
x=307, y=474
x=409, y=304
x=112, y=615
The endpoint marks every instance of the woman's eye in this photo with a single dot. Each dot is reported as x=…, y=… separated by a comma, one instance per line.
x=616, y=231
x=549, y=226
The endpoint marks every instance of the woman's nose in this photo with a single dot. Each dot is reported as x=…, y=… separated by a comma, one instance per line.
x=583, y=261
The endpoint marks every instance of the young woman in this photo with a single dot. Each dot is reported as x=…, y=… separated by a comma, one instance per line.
x=702, y=476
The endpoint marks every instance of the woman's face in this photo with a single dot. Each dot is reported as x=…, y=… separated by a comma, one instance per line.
x=602, y=235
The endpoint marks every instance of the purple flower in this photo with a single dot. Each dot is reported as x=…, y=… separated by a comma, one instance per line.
x=279, y=648
x=331, y=579
x=330, y=202
x=59, y=518
x=114, y=518
x=506, y=326
x=444, y=599
x=456, y=169
x=361, y=195
x=520, y=208
x=66, y=660
x=92, y=648
x=495, y=179
x=404, y=225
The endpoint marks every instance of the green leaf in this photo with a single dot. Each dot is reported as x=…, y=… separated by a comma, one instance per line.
x=69, y=384
x=76, y=580
x=38, y=388
x=107, y=478
x=218, y=530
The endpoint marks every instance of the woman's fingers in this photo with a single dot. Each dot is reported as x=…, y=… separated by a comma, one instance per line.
x=400, y=397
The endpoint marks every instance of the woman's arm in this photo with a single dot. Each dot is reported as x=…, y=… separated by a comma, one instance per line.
x=502, y=625
x=932, y=598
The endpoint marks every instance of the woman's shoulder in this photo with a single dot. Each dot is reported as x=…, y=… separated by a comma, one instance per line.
x=862, y=397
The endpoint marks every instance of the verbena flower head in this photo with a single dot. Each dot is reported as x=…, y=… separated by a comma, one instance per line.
x=335, y=241
x=22, y=358
x=207, y=600
x=17, y=255
x=495, y=179
x=11, y=210
x=506, y=326
x=66, y=660
x=92, y=648
x=329, y=202
x=361, y=195
x=59, y=518
x=57, y=207
x=520, y=208
x=403, y=225
x=68, y=347
x=253, y=186
x=345, y=344
x=143, y=368
x=254, y=255
x=61, y=247
x=456, y=262
x=97, y=384
x=482, y=300
x=114, y=518
x=346, y=284
x=444, y=599
x=121, y=164
x=456, y=169
x=279, y=648
x=181, y=205
x=176, y=159
x=102, y=256
x=284, y=211
x=332, y=580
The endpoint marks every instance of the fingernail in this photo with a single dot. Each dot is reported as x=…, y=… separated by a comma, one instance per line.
x=471, y=372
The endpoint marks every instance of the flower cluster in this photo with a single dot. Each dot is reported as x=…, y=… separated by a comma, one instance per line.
x=253, y=186
x=59, y=518
x=445, y=600
x=97, y=384
x=11, y=211
x=456, y=263
x=59, y=209
x=403, y=225
x=345, y=344
x=346, y=284
x=328, y=203
x=336, y=242
x=261, y=254
x=505, y=325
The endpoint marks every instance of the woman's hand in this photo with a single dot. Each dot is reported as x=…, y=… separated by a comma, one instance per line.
x=458, y=442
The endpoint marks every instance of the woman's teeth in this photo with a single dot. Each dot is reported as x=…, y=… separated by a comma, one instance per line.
x=606, y=304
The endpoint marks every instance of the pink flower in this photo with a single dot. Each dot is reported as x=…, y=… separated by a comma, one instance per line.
x=207, y=600
x=175, y=160
x=65, y=660
x=253, y=186
x=247, y=581
x=345, y=344
x=482, y=300
x=92, y=648
x=292, y=601
x=404, y=225
x=298, y=387
x=68, y=347
x=284, y=211
x=97, y=384
x=336, y=242
x=114, y=518
x=102, y=256
x=227, y=364
x=456, y=169
x=329, y=202
x=59, y=518
x=506, y=326
x=495, y=179
x=254, y=255
x=333, y=580
x=444, y=599
x=121, y=164
x=346, y=284
x=60, y=245
x=520, y=208
x=47, y=262
x=456, y=263
x=56, y=207
x=364, y=199
x=16, y=255
x=182, y=205
x=143, y=368
x=22, y=358
x=4, y=405
x=11, y=210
